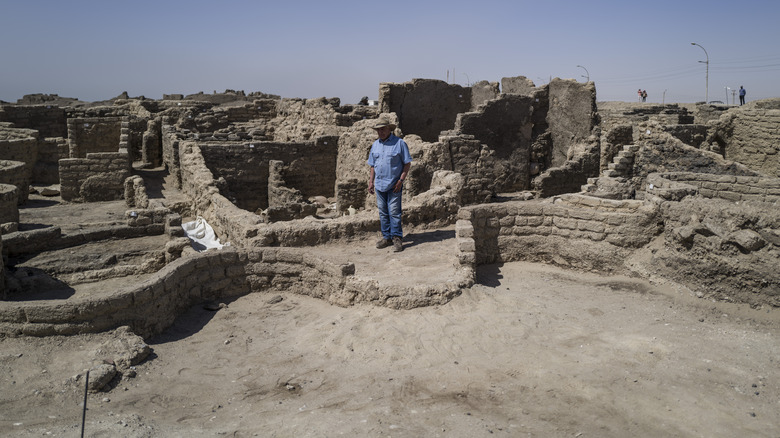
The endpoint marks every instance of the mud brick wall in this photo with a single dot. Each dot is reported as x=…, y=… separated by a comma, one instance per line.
x=750, y=137
x=170, y=152
x=425, y=107
x=152, y=306
x=132, y=136
x=504, y=126
x=15, y=173
x=570, y=177
x=623, y=113
x=612, y=142
x=24, y=150
x=693, y=135
x=47, y=168
x=94, y=134
x=98, y=177
x=538, y=230
x=3, y=289
x=48, y=120
x=9, y=211
x=351, y=193
x=305, y=119
x=728, y=187
x=151, y=149
x=311, y=168
x=571, y=117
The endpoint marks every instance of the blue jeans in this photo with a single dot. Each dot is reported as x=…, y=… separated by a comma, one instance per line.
x=389, y=205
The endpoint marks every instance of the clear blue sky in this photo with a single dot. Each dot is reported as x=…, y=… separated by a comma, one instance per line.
x=94, y=50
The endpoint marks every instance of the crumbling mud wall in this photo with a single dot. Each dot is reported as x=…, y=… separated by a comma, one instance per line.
x=425, y=107
x=50, y=151
x=748, y=134
x=570, y=230
x=3, y=290
x=151, y=144
x=15, y=173
x=48, y=120
x=98, y=177
x=9, y=210
x=612, y=142
x=244, y=168
x=91, y=135
x=19, y=145
x=661, y=152
x=571, y=117
x=306, y=119
x=721, y=235
x=505, y=126
x=483, y=91
x=732, y=188
x=151, y=307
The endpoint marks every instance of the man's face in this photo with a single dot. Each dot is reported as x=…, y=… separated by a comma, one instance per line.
x=383, y=132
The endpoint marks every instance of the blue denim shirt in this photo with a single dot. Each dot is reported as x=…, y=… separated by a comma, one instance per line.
x=388, y=159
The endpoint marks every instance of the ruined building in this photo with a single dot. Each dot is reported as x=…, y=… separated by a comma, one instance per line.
x=521, y=172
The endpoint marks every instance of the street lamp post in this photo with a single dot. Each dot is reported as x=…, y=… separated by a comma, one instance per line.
x=706, y=73
x=587, y=77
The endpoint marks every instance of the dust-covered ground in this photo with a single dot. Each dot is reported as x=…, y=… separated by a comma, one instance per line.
x=531, y=350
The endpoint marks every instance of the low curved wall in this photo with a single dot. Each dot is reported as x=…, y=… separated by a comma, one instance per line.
x=9, y=210
x=150, y=307
x=16, y=174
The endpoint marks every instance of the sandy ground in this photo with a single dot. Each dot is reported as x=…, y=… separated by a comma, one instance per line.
x=531, y=350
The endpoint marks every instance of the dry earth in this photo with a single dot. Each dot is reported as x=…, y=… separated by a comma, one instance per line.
x=531, y=350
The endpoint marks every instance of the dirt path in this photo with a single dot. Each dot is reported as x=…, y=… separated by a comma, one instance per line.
x=531, y=351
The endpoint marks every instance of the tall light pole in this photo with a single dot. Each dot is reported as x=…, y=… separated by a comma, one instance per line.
x=587, y=78
x=706, y=74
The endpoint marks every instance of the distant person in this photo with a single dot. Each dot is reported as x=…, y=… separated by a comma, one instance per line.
x=644, y=95
x=639, y=93
x=742, y=94
x=390, y=162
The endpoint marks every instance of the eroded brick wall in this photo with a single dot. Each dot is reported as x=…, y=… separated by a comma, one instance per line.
x=94, y=134
x=16, y=174
x=425, y=107
x=749, y=136
x=50, y=151
x=9, y=210
x=48, y=120
x=729, y=187
x=520, y=230
x=98, y=177
x=3, y=288
x=311, y=168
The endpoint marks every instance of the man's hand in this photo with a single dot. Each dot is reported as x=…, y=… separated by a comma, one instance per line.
x=398, y=186
x=371, y=187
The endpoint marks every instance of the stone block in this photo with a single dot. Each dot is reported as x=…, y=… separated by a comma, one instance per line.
x=466, y=245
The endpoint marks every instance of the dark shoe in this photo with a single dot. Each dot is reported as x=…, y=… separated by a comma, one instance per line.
x=384, y=243
x=398, y=245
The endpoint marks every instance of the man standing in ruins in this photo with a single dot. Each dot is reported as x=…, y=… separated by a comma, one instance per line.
x=390, y=161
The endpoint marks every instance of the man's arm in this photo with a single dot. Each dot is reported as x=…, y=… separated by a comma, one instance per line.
x=400, y=184
x=371, y=181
